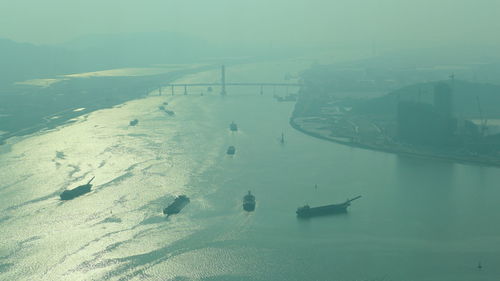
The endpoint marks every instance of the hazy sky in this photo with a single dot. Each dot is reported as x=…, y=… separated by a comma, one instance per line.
x=281, y=22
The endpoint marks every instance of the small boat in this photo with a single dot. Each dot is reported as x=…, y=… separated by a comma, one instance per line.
x=282, y=140
x=169, y=112
x=161, y=107
x=133, y=122
x=233, y=127
x=179, y=203
x=290, y=97
x=307, y=211
x=249, y=202
x=77, y=191
x=231, y=150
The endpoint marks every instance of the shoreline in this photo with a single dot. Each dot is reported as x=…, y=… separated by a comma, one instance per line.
x=449, y=158
x=132, y=88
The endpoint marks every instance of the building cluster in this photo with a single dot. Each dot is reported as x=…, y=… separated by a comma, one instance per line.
x=432, y=124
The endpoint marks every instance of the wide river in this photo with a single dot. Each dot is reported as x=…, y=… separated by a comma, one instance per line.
x=418, y=219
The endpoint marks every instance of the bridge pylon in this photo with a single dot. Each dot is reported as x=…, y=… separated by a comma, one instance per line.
x=223, y=81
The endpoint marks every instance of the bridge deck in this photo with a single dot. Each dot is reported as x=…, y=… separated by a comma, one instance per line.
x=235, y=84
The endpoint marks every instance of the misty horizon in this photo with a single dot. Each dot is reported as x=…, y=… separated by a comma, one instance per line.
x=387, y=24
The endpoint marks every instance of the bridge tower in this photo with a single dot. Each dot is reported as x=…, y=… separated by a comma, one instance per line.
x=223, y=80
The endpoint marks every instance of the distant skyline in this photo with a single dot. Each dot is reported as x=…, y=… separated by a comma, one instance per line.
x=302, y=23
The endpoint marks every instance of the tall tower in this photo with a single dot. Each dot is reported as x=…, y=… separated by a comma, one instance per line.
x=223, y=80
x=443, y=99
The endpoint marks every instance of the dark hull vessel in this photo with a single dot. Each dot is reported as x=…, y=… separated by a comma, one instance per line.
x=179, y=203
x=307, y=212
x=77, y=191
x=134, y=122
x=249, y=202
x=233, y=127
x=231, y=150
x=169, y=112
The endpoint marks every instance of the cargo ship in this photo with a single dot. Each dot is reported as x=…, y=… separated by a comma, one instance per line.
x=179, y=203
x=307, y=211
x=77, y=191
x=249, y=202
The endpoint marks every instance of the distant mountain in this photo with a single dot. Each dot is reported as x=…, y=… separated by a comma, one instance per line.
x=22, y=61
x=133, y=49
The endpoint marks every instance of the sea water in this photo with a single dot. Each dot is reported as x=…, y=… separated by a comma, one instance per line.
x=418, y=219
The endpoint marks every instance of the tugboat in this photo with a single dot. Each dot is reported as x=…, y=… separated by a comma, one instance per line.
x=231, y=150
x=133, y=122
x=307, y=211
x=179, y=203
x=77, y=191
x=249, y=202
x=233, y=127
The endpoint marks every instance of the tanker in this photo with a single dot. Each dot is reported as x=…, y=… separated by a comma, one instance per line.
x=307, y=211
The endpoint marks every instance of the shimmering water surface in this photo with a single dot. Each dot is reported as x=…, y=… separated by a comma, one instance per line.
x=418, y=219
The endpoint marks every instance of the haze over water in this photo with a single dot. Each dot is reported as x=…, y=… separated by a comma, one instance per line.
x=418, y=219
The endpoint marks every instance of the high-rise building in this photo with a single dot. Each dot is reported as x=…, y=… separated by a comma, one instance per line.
x=421, y=123
x=443, y=99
